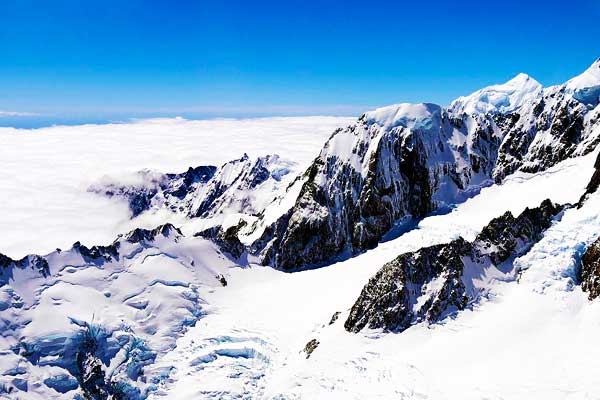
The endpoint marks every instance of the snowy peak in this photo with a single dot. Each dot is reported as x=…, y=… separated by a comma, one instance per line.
x=404, y=114
x=502, y=98
x=586, y=87
x=589, y=78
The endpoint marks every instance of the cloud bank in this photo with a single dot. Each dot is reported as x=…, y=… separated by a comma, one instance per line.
x=17, y=114
x=46, y=172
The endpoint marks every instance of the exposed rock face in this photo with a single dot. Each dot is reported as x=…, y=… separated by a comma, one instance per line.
x=543, y=132
x=91, y=374
x=227, y=239
x=138, y=235
x=407, y=160
x=310, y=347
x=435, y=281
x=589, y=274
x=238, y=187
x=32, y=261
x=391, y=299
x=334, y=317
x=595, y=181
x=102, y=253
x=390, y=165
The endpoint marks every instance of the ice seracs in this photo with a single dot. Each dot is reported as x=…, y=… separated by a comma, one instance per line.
x=92, y=321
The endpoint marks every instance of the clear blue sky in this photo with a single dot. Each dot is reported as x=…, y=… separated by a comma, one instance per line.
x=97, y=59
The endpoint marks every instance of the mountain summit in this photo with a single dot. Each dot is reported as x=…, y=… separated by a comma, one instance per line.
x=404, y=161
x=501, y=98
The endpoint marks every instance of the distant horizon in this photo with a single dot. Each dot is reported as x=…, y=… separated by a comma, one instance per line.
x=32, y=120
x=48, y=121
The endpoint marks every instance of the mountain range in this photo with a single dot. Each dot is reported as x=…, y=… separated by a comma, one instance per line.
x=417, y=225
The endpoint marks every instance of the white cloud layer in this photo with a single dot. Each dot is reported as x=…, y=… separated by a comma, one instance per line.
x=45, y=172
x=17, y=114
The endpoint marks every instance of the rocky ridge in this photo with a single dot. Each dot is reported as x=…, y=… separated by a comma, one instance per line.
x=404, y=161
x=105, y=356
x=243, y=186
x=433, y=282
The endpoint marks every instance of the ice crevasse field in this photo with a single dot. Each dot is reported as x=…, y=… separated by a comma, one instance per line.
x=535, y=332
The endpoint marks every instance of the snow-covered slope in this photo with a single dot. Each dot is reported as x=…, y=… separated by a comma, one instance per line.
x=517, y=342
x=153, y=316
x=118, y=308
x=437, y=281
x=586, y=87
x=404, y=161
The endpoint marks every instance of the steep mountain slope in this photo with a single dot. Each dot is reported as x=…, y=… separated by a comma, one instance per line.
x=253, y=346
x=397, y=162
x=407, y=160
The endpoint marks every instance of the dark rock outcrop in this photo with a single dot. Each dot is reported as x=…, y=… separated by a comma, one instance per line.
x=310, y=347
x=589, y=273
x=33, y=261
x=227, y=239
x=140, y=196
x=102, y=253
x=181, y=184
x=139, y=235
x=557, y=117
x=435, y=281
x=593, y=184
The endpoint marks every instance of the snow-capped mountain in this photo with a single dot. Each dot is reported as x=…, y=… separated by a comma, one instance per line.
x=407, y=160
x=503, y=98
x=241, y=186
x=469, y=231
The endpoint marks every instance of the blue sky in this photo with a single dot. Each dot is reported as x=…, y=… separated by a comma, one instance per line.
x=94, y=60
